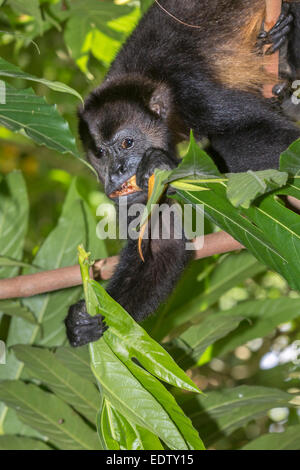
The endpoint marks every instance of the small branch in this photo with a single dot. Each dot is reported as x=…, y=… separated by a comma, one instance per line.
x=293, y=204
x=217, y=244
x=273, y=10
x=63, y=278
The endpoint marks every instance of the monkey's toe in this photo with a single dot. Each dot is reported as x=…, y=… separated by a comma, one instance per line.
x=281, y=89
x=278, y=35
x=81, y=327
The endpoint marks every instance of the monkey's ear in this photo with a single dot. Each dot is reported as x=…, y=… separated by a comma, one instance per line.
x=160, y=101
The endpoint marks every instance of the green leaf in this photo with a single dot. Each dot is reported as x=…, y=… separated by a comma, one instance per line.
x=7, y=261
x=188, y=287
x=263, y=316
x=193, y=342
x=76, y=359
x=14, y=308
x=129, y=340
x=67, y=385
x=96, y=246
x=30, y=7
x=227, y=273
x=156, y=193
x=281, y=227
x=145, y=5
x=186, y=185
x=13, y=425
x=9, y=442
x=10, y=70
x=290, y=159
x=98, y=28
x=284, y=376
x=287, y=440
x=142, y=399
x=168, y=402
x=120, y=434
x=196, y=163
x=221, y=412
x=135, y=402
x=13, y=220
x=270, y=231
x=27, y=112
x=49, y=415
x=58, y=250
x=219, y=210
x=132, y=399
x=243, y=188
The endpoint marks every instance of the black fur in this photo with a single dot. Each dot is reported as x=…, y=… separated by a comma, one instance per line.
x=141, y=286
x=162, y=84
x=294, y=43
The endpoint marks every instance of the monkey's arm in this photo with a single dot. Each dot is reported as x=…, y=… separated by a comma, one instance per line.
x=140, y=287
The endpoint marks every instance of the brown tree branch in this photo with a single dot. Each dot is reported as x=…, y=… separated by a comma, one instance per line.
x=62, y=278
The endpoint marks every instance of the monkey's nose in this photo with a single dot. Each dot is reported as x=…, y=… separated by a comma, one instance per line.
x=115, y=178
x=113, y=183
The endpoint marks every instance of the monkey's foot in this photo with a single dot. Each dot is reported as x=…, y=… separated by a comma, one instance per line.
x=281, y=90
x=278, y=35
x=81, y=327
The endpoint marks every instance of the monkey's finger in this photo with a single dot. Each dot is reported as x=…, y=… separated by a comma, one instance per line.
x=284, y=19
x=281, y=25
x=270, y=39
x=276, y=46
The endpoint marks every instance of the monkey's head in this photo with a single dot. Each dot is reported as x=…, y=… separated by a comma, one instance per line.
x=119, y=123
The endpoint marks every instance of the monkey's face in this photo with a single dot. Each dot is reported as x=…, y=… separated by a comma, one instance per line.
x=119, y=124
x=117, y=159
x=116, y=146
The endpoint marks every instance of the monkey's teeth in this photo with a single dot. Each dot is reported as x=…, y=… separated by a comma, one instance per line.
x=129, y=187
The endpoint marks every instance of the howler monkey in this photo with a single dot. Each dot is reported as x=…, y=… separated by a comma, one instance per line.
x=169, y=78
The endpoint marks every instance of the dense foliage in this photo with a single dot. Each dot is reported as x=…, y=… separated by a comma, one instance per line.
x=230, y=329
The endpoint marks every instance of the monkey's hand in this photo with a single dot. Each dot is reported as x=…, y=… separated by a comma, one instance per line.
x=81, y=327
x=153, y=159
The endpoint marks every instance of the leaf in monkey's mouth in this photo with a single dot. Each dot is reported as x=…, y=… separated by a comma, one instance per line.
x=129, y=187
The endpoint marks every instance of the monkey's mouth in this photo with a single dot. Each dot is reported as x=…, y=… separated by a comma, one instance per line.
x=129, y=187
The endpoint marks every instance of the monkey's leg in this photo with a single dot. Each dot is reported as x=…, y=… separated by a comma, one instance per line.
x=141, y=286
x=247, y=131
x=81, y=327
x=294, y=42
x=279, y=34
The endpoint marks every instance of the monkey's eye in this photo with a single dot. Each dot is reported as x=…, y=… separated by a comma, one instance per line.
x=100, y=152
x=127, y=143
